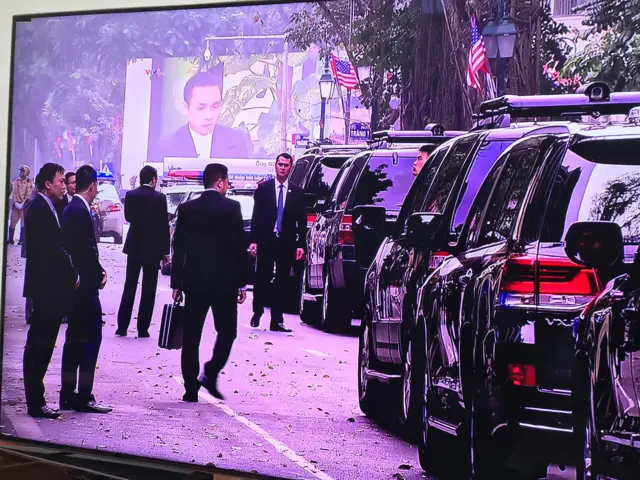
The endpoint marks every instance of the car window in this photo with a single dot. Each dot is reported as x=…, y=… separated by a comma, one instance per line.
x=484, y=159
x=415, y=199
x=445, y=178
x=321, y=179
x=298, y=172
x=347, y=180
x=474, y=220
x=605, y=187
x=506, y=200
x=385, y=181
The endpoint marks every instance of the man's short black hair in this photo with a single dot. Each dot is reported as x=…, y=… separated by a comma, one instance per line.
x=85, y=177
x=213, y=173
x=211, y=78
x=285, y=155
x=68, y=176
x=47, y=173
x=147, y=174
x=426, y=149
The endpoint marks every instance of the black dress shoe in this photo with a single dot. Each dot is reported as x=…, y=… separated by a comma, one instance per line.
x=92, y=407
x=67, y=402
x=210, y=386
x=279, y=327
x=143, y=334
x=191, y=397
x=44, y=412
x=121, y=332
x=255, y=320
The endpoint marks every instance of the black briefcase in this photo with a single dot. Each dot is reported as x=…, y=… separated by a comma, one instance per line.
x=171, y=327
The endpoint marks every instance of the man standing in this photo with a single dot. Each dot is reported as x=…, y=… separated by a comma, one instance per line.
x=147, y=243
x=421, y=159
x=278, y=236
x=210, y=266
x=84, y=332
x=70, y=183
x=20, y=191
x=50, y=281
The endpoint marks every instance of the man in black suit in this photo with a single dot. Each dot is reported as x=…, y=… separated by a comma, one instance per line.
x=147, y=243
x=202, y=136
x=278, y=236
x=84, y=331
x=70, y=184
x=50, y=281
x=210, y=266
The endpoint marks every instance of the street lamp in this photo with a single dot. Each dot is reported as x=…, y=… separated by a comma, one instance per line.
x=506, y=37
x=500, y=41
x=327, y=85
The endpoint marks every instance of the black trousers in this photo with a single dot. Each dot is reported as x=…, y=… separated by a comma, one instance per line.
x=82, y=345
x=224, y=307
x=278, y=253
x=41, y=341
x=150, y=271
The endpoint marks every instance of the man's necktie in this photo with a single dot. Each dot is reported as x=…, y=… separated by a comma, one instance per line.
x=280, y=210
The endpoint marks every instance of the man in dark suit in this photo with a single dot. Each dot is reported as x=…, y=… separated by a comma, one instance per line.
x=278, y=236
x=70, y=184
x=147, y=243
x=210, y=266
x=202, y=136
x=50, y=281
x=84, y=331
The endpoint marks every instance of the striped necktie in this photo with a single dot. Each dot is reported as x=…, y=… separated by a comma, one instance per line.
x=280, y=210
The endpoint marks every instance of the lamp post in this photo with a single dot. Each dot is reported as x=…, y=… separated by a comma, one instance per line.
x=326, y=84
x=500, y=41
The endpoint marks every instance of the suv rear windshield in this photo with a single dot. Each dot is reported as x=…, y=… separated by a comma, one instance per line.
x=384, y=182
x=322, y=178
x=604, y=188
x=299, y=170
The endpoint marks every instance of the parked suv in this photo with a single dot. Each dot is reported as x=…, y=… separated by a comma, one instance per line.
x=494, y=337
x=382, y=175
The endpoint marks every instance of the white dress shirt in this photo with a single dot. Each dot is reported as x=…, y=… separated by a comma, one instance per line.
x=202, y=143
x=84, y=200
x=50, y=203
x=284, y=198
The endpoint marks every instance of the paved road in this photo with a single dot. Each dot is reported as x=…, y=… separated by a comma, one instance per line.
x=291, y=407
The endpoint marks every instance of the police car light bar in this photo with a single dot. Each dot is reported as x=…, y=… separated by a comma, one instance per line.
x=593, y=99
x=104, y=175
x=186, y=174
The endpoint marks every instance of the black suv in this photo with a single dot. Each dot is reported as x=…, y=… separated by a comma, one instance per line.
x=493, y=341
x=381, y=175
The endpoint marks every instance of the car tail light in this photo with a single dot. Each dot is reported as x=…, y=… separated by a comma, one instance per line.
x=560, y=283
x=436, y=258
x=345, y=231
x=522, y=375
x=311, y=217
x=114, y=207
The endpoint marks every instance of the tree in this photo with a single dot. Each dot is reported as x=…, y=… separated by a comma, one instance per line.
x=612, y=54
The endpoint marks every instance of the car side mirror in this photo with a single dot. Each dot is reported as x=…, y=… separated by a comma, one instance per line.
x=423, y=228
x=595, y=244
x=368, y=225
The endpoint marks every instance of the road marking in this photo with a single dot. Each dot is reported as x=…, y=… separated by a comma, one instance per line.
x=277, y=444
x=24, y=425
x=316, y=353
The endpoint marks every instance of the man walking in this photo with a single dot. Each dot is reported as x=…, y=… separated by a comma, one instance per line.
x=278, y=236
x=20, y=191
x=84, y=332
x=210, y=266
x=147, y=243
x=50, y=281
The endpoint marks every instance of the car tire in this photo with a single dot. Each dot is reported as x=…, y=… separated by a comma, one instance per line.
x=369, y=391
x=117, y=239
x=333, y=315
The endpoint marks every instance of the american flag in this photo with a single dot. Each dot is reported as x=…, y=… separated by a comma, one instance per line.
x=479, y=62
x=344, y=72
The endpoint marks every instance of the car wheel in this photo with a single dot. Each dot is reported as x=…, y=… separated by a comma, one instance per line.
x=333, y=308
x=367, y=389
x=412, y=388
x=309, y=311
x=117, y=239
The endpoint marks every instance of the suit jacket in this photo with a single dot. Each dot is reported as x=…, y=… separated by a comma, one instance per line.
x=209, y=246
x=265, y=212
x=146, y=211
x=80, y=242
x=49, y=276
x=61, y=205
x=226, y=143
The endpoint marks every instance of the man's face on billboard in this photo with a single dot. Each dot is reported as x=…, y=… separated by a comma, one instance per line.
x=203, y=109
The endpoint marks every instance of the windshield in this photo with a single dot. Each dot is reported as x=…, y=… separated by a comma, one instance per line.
x=109, y=192
x=385, y=183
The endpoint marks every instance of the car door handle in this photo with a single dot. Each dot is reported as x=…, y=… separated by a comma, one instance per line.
x=466, y=278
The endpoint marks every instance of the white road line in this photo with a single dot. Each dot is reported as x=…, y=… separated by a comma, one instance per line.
x=277, y=444
x=25, y=426
x=316, y=353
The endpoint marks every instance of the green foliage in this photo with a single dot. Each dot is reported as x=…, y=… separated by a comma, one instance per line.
x=613, y=50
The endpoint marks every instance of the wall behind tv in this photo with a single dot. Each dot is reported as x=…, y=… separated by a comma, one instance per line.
x=25, y=7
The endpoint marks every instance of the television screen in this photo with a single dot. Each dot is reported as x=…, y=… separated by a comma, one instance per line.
x=171, y=292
